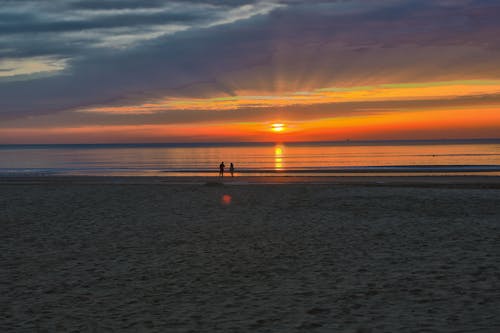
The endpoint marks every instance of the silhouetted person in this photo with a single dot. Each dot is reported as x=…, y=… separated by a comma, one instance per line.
x=221, y=170
x=231, y=169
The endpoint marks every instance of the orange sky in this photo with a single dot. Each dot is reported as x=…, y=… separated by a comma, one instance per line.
x=483, y=122
x=438, y=119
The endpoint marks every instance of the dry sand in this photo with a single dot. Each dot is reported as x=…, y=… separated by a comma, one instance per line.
x=165, y=257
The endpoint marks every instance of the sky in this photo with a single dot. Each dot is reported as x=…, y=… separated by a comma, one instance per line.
x=91, y=71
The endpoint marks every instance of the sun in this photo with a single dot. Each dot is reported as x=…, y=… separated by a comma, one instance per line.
x=278, y=127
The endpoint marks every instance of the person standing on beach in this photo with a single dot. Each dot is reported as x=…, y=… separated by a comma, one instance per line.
x=221, y=170
x=231, y=169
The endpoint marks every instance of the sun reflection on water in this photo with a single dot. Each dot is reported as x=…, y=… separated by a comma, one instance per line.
x=278, y=157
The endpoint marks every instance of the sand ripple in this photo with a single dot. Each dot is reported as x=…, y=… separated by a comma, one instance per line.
x=282, y=258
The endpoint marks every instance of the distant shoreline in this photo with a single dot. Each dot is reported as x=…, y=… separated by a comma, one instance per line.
x=346, y=142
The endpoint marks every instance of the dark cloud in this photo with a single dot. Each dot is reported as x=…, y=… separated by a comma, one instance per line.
x=134, y=4
x=126, y=20
x=62, y=28
x=116, y=4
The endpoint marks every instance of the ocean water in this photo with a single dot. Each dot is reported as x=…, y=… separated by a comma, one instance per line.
x=325, y=158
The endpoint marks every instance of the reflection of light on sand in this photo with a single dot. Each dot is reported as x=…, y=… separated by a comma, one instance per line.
x=226, y=199
x=278, y=157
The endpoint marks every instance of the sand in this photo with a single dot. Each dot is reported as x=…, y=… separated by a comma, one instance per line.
x=165, y=257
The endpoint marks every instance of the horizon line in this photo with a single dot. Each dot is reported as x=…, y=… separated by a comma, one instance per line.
x=236, y=143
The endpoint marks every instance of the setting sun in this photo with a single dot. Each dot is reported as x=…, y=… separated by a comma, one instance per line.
x=278, y=127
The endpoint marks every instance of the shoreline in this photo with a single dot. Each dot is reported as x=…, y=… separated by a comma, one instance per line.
x=411, y=181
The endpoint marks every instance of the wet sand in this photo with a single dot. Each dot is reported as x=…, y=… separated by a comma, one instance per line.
x=450, y=181
x=194, y=255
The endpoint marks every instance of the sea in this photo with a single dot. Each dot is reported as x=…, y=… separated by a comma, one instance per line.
x=433, y=157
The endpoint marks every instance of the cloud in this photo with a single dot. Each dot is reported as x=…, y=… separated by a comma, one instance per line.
x=294, y=113
x=30, y=26
x=332, y=95
x=118, y=21
x=30, y=66
x=116, y=4
x=135, y=52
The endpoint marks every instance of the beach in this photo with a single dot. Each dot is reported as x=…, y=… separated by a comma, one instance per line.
x=254, y=254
